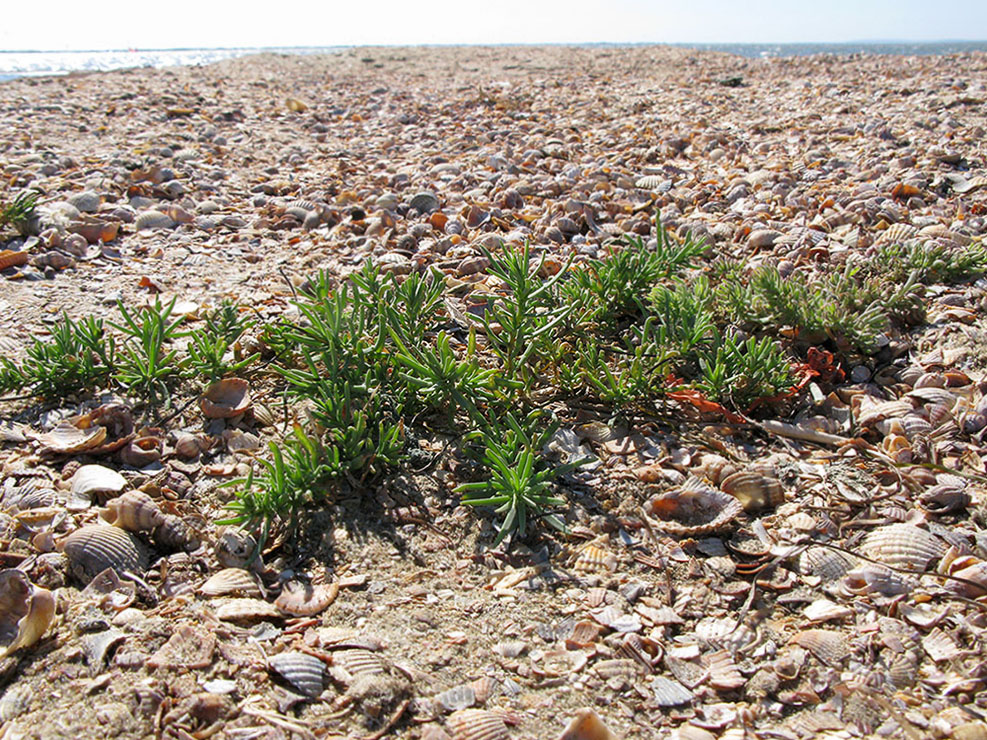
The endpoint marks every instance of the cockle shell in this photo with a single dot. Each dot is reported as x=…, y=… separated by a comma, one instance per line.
x=26, y=611
x=301, y=599
x=304, y=672
x=68, y=439
x=225, y=398
x=93, y=549
x=594, y=559
x=829, y=646
x=454, y=699
x=231, y=581
x=246, y=610
x=134, y=511
x=153, y=220
x=669, y=693
x=724, y=675
x=350, y=664
x=694, y=509
x=903, y=546
x=477, y=724
x=754, y=490
x=90, y=480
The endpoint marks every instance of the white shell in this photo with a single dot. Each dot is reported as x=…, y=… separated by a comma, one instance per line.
x=95, y=479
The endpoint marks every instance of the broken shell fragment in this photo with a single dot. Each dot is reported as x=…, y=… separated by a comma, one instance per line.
x=693, y=509
x=93, y=549
x=236, y=548
x=134, y=511
x=246, y=610
x=301, y=599
x=586, y=725
x=829, y=646
x=304, y=672
x=225, y=398
x=26, y=611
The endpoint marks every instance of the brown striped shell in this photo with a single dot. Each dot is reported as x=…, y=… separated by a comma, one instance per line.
x=231, y=581
x=300, y=599
x=68, y=439
x=694, y=509
x=174, y=534
x=225, y=398
x=594, y=559
x=134, y=511
x=246, y=610
x=93, y=549
x=829, y=646
x=305, y=673
x=477, y=724
x=724, y=675
x=235, y=548
x=755, y=491
x=903, y=546
x=350, y=664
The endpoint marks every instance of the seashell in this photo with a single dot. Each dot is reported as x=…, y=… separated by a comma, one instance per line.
x=231, y=581
x=455, y=699
x=717, y=468
x=933, y=395
x=694, y=509
x=829, y=646
x=424, y=202
x=477, y=724
x=724, y=633
x=97, y=479
x=174, y=534
x=94, y=230
x=26, y=611
x=10, y=258
x=351, y=663
x=434, y=732
x=134, y=511
x=618, y=668
x=669, y=693
x=724, y=675
x=153, y=220
x=96, y=647
x=246, y=610
x=884, y=410
x=649, y=182
x=68, y=439
x=594, y=559
x=225, y=398
x=16, y=700
x=26, y=498
x=484, y=688
x=823, y=610
x=304, y=672
x=944, y=499
x=903, y=669
x=301, y=599
x=903, y=546
x=974, y=575
x=754, y=491
x=871, y=579
x=940, y=646
x=93, y=549
x=897, y=233
x=586, y=725
x=975, y=730
x=85, y=202
x=236, y=548
x=141, y=452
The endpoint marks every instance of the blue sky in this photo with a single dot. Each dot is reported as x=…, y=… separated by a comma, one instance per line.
x=60, y=24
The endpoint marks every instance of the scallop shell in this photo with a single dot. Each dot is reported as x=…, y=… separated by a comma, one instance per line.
x=68, y=439
x=153, y=220
x=754, y=490
x=694, y=509
x=225, y=398
x=93, y=549
x=903, y=546
x=477, y=724
x=594, y=559
x=174, y=534
x=897, y=233
x=97, y=479
x=246, y=610
x=649, y=182
x=829, y=646
x=231, y=581
x=455, y=699
x=304, y=672
x=303, y=599
x=26, y=611
x=134, y=511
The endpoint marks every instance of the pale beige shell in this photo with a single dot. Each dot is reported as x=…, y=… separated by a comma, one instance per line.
x=669, y=693
x=754, y=490
x=90, y=480
x=716, y=468
x=876, y=579
x=477, y=724
x=829, y=646
x=68, y=439
x=871, y=415
x=454, y=699
x=618, y=668
x=246, y=610
x=93, y=549
x=301, y=599
x=724, y=675
x=903, y=546
x=304, y=672
x=897, y=233
x=153, y=220
x=694, y=509
x=231, y=581
x=594, y=559
x=235, y=548
x=26, y=611
x=225, y=398
x=484, y=688
x=134, y=511
x=933, y=395
x=586, y=725
x=349, y=664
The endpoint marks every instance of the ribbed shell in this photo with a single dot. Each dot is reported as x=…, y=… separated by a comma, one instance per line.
x=304, y=672
x=134, y=511
x=933, y=395
x=829, y=646
x=649, y=182
x=231, y=581
x=174, y=534
x=694, y=509
x=903, y=546
x=477, y=724
x=153, y=220
x=303, y=599
x=68, y=439
x=594, y=559
x=359, y=662
x=455, y=699
x=246, y=610
x=618, y=668
x=424, y=202
x=93, y=549
x=754, y=490
x=723, y=672
x=669, y=693
x=95, y=479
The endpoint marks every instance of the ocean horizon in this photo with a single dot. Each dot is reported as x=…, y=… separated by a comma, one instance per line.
x=39, y=63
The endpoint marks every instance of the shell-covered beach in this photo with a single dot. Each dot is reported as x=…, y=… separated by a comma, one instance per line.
x=735, y=563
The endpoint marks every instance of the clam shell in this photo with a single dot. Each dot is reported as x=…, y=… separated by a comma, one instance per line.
x=649, y=182
x=225, y=398
x=829, y=646
x=246, y=610
x=871, y=579
x=694, y=509
x=85, y=202
x=93, y=549
x=303, y=599
x=97, y=479
x=304, y=672
x=594, y=559
x=903, y=546
x=358, y=662
x=68, y=439
x=153, y=220
x=754, y=490
x=231, y=581
x=477, y=724
x=932, y=394
x=134, y=511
